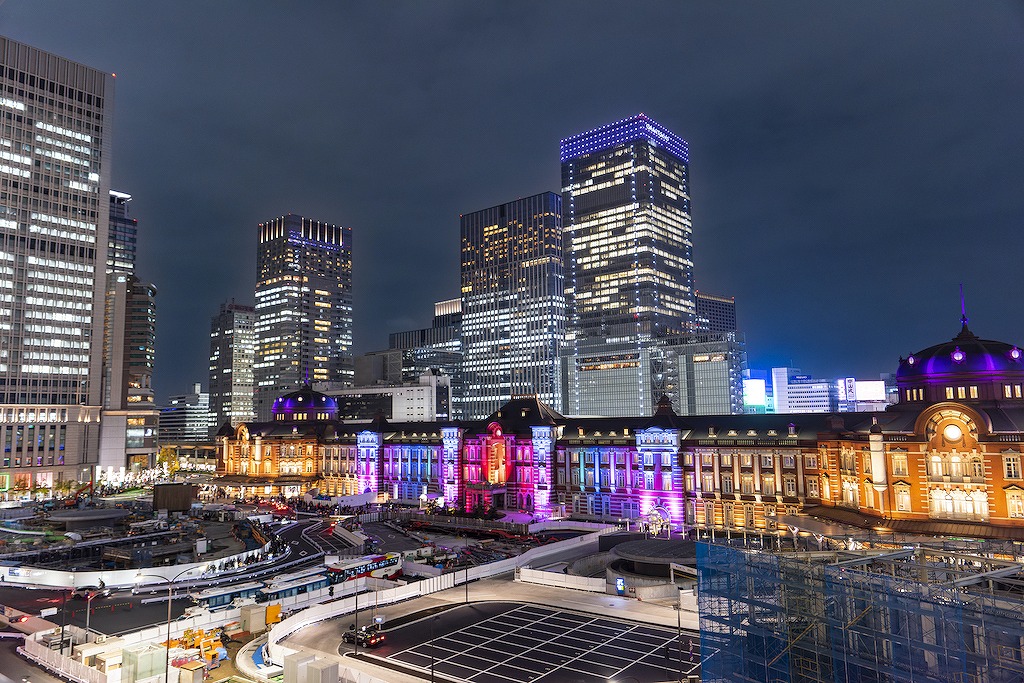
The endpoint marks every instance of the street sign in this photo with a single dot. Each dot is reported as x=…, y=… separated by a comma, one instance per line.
x=48, y=612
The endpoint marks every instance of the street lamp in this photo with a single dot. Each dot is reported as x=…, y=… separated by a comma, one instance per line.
x=170, y=589
x=432, y=620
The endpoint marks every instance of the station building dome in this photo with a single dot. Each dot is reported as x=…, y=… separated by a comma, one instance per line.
x=304, y=405
x=966, y=369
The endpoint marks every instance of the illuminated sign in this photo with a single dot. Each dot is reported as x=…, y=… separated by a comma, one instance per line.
x=754, y=393
x=870, y=390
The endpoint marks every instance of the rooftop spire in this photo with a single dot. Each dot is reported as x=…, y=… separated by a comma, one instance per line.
x=964, y=332
x=963, y=307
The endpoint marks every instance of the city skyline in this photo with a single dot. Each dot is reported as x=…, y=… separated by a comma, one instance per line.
x=850, y=166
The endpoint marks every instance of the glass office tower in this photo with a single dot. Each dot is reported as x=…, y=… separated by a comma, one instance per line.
x=303, y=307
x=513, y=303
x=54, y=182
x=128, y=431
x=232, y=356
x=629, y=266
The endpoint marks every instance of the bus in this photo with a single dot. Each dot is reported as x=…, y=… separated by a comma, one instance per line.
x=384, y=566
x=214, y=598
x=298, y=574
x=286, y=589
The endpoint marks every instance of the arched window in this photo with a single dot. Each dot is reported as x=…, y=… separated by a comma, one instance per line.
x=960, y=506
x=956, y=466
x=979, y=500
x=935, y=466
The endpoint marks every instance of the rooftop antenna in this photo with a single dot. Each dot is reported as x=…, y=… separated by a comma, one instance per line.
x=963, y=307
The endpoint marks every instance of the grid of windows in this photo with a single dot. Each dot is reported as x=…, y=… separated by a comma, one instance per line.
x=54, y=218
x=513, y=303
x=626, y=206
x=303, y=307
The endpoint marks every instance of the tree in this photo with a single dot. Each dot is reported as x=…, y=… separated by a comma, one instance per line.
x=168, y=459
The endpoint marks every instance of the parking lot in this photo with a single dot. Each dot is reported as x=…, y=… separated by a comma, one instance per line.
x=523, y=643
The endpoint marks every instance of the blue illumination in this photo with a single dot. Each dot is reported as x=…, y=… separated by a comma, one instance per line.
x=638, y=127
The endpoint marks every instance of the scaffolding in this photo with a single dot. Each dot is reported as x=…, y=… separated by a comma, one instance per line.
x=908, y=615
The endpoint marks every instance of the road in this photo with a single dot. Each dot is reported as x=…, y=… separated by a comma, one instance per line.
x=122, y=611
x=17, y=669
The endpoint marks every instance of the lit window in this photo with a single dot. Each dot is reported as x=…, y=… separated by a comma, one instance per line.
x=903, y=498
x=949, y=392
x=1011, y=466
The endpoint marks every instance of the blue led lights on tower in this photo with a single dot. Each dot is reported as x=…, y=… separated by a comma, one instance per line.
x=303, y=307
x=629, y=266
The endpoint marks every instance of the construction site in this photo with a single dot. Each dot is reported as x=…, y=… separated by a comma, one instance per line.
x=900, y=614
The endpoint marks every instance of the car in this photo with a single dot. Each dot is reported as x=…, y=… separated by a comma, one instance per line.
x=367, y=636
x=90, y=592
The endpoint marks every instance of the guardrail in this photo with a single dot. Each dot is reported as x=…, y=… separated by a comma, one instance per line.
x=307, y=615
x=28, y=576
x=312, y=615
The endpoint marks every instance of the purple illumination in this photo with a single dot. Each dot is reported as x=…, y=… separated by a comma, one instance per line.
x=638, y=127
x=957, y=355
x=911, y=360
x=1015, y=353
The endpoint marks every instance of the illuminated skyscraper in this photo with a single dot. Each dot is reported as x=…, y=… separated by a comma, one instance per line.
x=513, y=303
x=128, y=429
x=232, y=356
x=629, y=267
x=55, y=148
x=303, y=307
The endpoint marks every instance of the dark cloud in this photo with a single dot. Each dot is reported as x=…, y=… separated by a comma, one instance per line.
x=851, y=163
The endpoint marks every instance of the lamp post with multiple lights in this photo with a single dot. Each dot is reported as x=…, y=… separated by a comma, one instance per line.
x=170, y=589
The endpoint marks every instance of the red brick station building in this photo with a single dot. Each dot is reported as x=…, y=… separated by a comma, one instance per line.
x=946, y=459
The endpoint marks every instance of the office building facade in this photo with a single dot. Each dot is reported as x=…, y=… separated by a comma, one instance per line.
x=513, y=303
x=129, y=421
x=54, y=183
x=130, y=418
x=412, y=353
x=629, y=264
x=793, y=392
x=186, y=417
x=303, y=306
x=428, y=399
x=715, y=313
x=232, y=356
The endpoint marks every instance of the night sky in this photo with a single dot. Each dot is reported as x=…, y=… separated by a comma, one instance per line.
x=851, y=162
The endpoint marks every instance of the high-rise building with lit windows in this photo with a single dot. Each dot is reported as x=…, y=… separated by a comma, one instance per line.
x=232, y=355
x=128, y=426
x=303, y=307
x=513, y=303
x=55, y=150
x=629, y=266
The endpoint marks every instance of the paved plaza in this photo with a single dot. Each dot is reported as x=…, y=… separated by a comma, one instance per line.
x=507, y=642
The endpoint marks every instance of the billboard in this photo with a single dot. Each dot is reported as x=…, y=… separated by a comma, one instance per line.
x=754, y=393
x=870, y=390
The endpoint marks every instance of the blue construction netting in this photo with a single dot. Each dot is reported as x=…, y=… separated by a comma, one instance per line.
x=797, y=618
